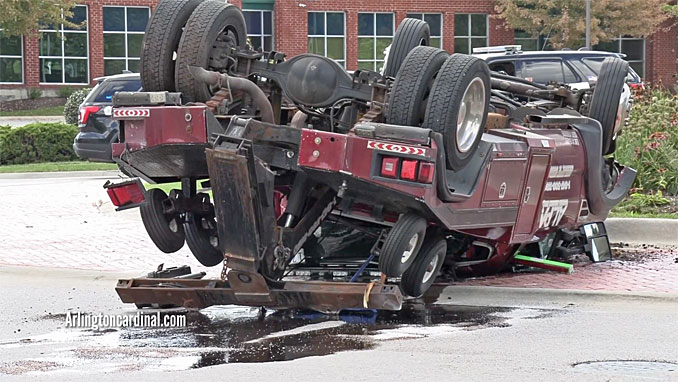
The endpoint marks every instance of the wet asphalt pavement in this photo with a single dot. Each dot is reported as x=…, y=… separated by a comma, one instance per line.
x=450, y=335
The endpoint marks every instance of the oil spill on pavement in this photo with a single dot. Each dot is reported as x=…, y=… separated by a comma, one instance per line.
x=220, y=335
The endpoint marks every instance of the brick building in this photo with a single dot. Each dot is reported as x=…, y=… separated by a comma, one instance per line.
x=353, y=33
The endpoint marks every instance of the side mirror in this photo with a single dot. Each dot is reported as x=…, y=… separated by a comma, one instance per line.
x=597, y=246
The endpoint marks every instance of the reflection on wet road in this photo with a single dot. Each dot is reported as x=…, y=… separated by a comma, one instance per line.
x=221, y=335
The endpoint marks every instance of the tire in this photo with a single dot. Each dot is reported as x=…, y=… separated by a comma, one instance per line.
x=421, y=275
x=412, y=86
x=201, y=231
x=166, y=236
x=393, y=259
x=160, y=42
x=459, y=77
x=606, y=96
x=410, y=34
x=212, y=19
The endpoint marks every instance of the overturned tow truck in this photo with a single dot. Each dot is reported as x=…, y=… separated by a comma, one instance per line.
x=333, y=190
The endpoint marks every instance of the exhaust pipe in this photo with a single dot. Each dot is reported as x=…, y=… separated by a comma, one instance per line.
x=236, y=83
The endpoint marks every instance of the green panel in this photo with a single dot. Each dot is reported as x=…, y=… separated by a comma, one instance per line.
x=134, y=45
x=50, y=44
x=367, y=65
x=266, y=5
x=10, y=46
x=316, y=45
x=335, y=48
x=461, y=45
x=10, y=70
x=75, y=71
x=436, y=41
x=51, y=70
x=382, y=43
x=75, y=44
x=113, y=67
x=365, y=48
x=114, y=45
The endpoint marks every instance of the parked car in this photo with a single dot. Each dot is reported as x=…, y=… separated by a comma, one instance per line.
x=97, y=129
x=578, y=67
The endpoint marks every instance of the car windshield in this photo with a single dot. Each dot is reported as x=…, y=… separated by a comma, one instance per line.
x=104, y=91
x=595, y=63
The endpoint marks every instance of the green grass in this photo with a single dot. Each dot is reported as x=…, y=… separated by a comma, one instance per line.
x=57, y=166
x=43, y=111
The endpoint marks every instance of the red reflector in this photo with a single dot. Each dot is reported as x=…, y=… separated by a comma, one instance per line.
x=409, y=169
x=125, y=194
x=426, y=170
x=389, y=167
x=85, y=111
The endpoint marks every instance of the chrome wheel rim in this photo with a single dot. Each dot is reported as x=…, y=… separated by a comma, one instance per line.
x=430, y=270
x=411, y=245
x=470, y=117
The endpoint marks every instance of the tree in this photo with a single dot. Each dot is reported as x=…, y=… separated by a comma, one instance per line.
x=25, y=17
x=564, y=21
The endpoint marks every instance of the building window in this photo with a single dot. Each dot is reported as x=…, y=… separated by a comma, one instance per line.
x=633, y=48
x=435, y=22
x=259, y=29
x=64, y=51
x=375, y=34
x=123, y=35
x=327, y=35
x=11, y=59
x=470, y=31
x=528, y=41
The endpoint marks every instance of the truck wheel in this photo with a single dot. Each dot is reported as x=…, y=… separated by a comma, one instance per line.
x=202, y=239
x=421, y=275
x=606, y=107
x=161, y=41
x=402, y=244
x=212, y=30
x=165, y=230
x=412, y=86
x=457, y=106
x=411, y=33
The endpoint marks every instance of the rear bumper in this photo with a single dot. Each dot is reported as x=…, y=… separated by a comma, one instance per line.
x=94, y=149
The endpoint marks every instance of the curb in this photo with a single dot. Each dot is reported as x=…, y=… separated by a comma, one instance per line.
x=643, y=230
x=511, y=295
x=63, y=174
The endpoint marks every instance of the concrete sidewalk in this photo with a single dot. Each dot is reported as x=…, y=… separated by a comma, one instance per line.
x=643, y=231
x=17, y=121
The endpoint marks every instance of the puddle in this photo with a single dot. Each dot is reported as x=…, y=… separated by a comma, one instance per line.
x=220, y=335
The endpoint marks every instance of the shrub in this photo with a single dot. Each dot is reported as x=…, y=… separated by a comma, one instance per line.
x=73, y=103
x=65, y=91
x=649, y=143
x=37, y=142
x=34, y=93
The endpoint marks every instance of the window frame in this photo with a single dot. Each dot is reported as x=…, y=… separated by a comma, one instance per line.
x=469, y=36
x=374, y=36
x=308, y=36
x=61, y=31
x=125, y=33
x=442, y=23
x=23, y=72
x=263, y=34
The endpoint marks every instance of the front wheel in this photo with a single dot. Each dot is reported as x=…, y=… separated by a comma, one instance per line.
x=458, y=105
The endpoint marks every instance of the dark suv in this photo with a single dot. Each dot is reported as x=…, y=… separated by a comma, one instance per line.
x=97, y=129
x=564, y=66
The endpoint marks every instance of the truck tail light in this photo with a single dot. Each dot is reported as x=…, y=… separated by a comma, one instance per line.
x=426, y=170
x=85, y=111
x=411, y=170
x=389, y=167
x=125, y=193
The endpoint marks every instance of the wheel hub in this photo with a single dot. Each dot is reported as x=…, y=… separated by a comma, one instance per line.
x=471, y=113
x=411, y=245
